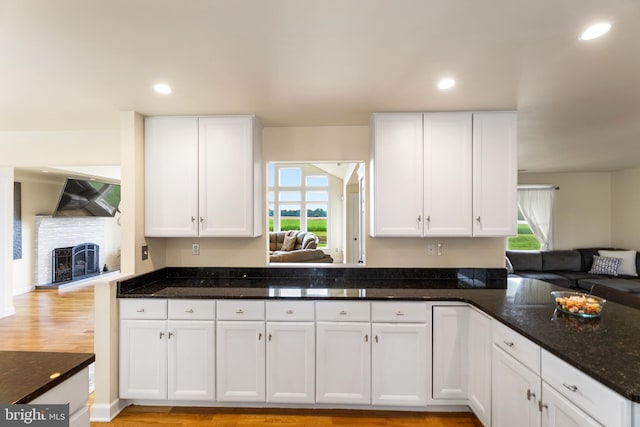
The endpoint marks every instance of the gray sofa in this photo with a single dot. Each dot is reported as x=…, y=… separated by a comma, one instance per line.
x=570, y=269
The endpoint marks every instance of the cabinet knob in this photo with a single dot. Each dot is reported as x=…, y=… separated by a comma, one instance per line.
x=366, y=338
x=240, y=311
x=270, y=336
x=429, y=218
x=161, y=335
x=190, y=310
x=193, y=219
x=342, y=312
x=478, y=218
x=570, y=387
x=530, y=394
x=419, y=218
x=201, y=219
x=508, y=343
x=399, y=313
x=260, y=336
x=170, y=334
x=376, y=338
x=542, y=406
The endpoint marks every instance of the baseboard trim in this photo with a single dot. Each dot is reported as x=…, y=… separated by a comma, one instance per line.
x=105, y=413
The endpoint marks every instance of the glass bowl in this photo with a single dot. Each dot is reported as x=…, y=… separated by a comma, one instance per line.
x=578, y=303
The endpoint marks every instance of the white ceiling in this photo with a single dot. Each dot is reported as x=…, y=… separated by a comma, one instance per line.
x=76, y=63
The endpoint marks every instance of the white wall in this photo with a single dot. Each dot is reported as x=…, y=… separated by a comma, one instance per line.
x=625, y=209
x=582, y=208
x=6, y=241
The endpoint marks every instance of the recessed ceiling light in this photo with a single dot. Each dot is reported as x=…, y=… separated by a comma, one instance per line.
x=162, y=88
x=446, y=83
x=595, y=31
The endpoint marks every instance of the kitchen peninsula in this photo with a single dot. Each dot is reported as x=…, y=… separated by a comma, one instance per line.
x=597, y=356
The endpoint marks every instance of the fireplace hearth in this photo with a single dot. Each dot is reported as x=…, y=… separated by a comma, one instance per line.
x=75, y=263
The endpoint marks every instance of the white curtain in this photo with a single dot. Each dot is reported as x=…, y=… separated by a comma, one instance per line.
x=536, y=204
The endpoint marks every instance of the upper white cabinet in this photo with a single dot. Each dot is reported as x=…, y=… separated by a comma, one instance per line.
x=203, y=176
x=443, y=174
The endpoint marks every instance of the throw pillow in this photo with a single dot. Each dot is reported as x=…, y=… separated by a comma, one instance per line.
x=289, y=242
x=605, y=265
x=628, y=265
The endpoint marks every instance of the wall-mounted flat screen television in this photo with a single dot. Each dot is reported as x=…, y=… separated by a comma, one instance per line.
x=83, y=197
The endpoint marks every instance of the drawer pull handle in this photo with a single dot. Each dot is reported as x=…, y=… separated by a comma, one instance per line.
x=542, y=406
x=140, y=310
x=342, y=312
x=190, y=310
x=260, y=336
x=530, y=394
x=270, y=337
x=240, y=311
x=509, y=343
x=366, y=338
x=289, y=311
x=161, y=335
x=570, y=387
x=399, y=313
x=170, y=334
x=376, y=338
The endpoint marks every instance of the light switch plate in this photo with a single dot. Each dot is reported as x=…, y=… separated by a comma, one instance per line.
x=145, y=252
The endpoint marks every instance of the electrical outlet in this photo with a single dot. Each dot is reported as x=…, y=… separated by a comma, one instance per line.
x=431, y=249
x=440, y=248
x=145, y=252
x=195, y=249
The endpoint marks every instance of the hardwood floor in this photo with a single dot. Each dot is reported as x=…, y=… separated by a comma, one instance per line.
x=46, y=320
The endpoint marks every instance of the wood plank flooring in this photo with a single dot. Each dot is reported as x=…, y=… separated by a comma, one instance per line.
x=46, y=320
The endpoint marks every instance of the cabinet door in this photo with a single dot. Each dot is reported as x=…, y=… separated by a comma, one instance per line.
x=480, y=342
x=494, y=174
x=447, y=174
x=227, y=177
x=515, y=390
x=557, y=411
x=171, y=176
x=143, y=359
x=396, y=168
x=240, y=361
x=343, y=362
x=291, y=362
x=450, y=355
x=191, y=360
x=399, y=364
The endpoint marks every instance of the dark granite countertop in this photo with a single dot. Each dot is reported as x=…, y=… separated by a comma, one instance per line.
x=25, y=375
x=606, y=348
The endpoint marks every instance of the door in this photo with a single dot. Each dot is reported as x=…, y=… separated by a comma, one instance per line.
x=291, y=362
x=191, y=372
x=227, y=176
x=450, y=352
x=171, y=176
x=240, y=361
x=143, y=359
x=515, y=392
x=343, y=362
x=399, y=364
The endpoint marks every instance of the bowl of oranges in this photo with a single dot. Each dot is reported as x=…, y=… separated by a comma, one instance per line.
x=578, y=303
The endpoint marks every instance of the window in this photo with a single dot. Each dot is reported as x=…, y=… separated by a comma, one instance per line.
x=535, y=209
x=525, y=240
x=298, y=200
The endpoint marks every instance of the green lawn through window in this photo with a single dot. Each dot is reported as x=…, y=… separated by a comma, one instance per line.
x=525, y=240
x=317, y=226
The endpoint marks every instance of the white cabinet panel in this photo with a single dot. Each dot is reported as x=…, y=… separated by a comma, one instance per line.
x=495, y=174
x=450, y=354
x=480, y=344
x=291, y=366
x=396, y=174
x=399, y=374
x=343, y=362
x=560, y=412
x=240, y=361
x=171, y=176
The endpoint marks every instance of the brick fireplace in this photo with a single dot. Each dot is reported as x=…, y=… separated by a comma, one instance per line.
x=68, y=233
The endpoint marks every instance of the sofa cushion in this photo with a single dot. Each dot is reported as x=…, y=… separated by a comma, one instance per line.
x=552, y=278
x=605, y=265
x=587, y=256
x=525, y=260
x=628, y=264
x=561, y=260
x=290, y=240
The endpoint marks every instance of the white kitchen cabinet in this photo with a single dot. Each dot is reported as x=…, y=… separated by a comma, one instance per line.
x=557, y=411
x=74, y=392
x=396, y=182
x=343, y=352
x=203, y=176
x=164, y=359
x=515, y=392
x=450, y=353
x=479, y=372
x=495, y=174
x=291, y=369
x=399, y=354
x=447, y=174
x=443, y=174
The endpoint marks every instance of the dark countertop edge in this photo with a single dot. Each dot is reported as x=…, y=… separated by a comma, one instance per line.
x=90, y=358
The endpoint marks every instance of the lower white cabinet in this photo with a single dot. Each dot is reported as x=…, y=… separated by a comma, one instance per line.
x=558, y=411
x=479, y=378
x=191, y=355
x=450, y=353
x=515, y=392
x=74, y=392
x=400, y=352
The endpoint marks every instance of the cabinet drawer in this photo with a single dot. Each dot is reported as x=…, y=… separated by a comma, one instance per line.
x=396, y=311
x=290, y=310
x=343, y=311
x=74, y=391
x=190, y=309
x=523, y=350
x=237, y=309
x=143, y=309
x=600, y=402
